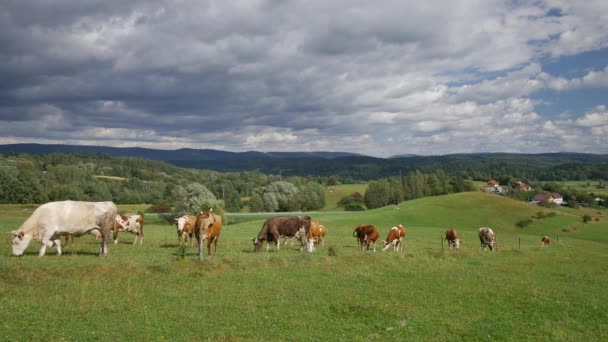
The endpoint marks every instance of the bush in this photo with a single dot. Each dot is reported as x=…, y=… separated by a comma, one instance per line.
x=586, y=218
x=523, y=223
x=352, y=202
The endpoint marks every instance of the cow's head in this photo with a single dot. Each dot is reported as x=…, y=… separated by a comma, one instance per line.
x=19, y=242
x=457, y=243
x=122, y=222
x=180, y=223
x=257, y=244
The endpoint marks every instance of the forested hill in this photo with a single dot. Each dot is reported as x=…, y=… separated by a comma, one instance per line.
x=347, y=166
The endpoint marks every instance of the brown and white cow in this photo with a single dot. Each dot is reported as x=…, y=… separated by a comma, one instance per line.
x=130, y=223
x=185, y=229
x=291, y=226
x=452, y=238
x=317, y=232
x=366, y=235
x=208, y=226
x=51, y=220
x=545, y=241
x=395, y=238
x=487, y=238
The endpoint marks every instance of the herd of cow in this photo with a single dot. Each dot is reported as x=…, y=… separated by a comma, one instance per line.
x=52, y=220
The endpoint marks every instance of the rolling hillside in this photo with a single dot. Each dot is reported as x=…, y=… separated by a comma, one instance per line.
x=546, y=166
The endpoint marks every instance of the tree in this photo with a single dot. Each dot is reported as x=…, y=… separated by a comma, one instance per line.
x=352, y=202
x=377, y=194
x=256, y=204
x=285, y=195
x=586, y=218
x=199, y=198
x=332, y=180
x=312, y=196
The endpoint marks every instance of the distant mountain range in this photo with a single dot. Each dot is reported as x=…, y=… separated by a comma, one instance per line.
x=351, y=165
x=166, y=155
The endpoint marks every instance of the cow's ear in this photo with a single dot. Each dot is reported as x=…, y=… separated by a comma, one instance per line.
x=20, y=236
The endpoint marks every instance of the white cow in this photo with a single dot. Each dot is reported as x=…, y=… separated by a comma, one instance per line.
x=51, y=220
x=130, y=223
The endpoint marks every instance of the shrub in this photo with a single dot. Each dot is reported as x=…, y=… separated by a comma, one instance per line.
x=523, y=223
x=586, y=218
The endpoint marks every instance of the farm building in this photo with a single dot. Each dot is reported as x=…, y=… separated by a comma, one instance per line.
x=523, y=186
x=553, y=197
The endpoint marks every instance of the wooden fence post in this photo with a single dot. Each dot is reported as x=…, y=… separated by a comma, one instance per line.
x=200, y=244
x=557, y=246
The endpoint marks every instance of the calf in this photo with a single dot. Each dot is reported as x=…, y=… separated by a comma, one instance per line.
x=452, y=238
x=185, y=228
x=487, y=238
x=289, y=226
x=394, y=238
x=130, y=223
x=365, y=235
x=208, y=227
x=545, y=241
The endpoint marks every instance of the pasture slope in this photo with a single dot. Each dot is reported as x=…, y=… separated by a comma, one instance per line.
x=155, y=292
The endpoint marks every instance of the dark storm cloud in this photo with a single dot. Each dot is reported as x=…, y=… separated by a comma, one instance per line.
x=337, y=75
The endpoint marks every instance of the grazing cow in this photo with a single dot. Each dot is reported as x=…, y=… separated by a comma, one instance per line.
x=317, y=232
x=289, y=226
x=51, y=220
x=130, y=223
x=211, y=226
x=365, y=235
x=487, y=238
x=545, y=241
x=453, y=240
x=185, y=228
x=394, y=238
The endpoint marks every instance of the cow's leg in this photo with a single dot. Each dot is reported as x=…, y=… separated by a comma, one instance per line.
x=134, y=238
x=209, y=246
x=374, y=246
x=215, y=244
x=57, y=243
x=103, y=249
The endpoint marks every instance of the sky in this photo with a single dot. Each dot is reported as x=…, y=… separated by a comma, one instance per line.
x=379, y=78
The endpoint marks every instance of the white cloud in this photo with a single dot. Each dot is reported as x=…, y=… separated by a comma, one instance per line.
x=299, y=75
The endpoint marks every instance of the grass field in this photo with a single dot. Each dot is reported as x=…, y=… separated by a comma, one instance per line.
x=154, y=293
x=334, y=193
x=587, y=186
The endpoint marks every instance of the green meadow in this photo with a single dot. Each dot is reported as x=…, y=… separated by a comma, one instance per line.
x=427, y=292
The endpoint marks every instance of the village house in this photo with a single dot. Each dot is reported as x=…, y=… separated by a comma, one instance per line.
x=523, y=186
x=553, y=197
